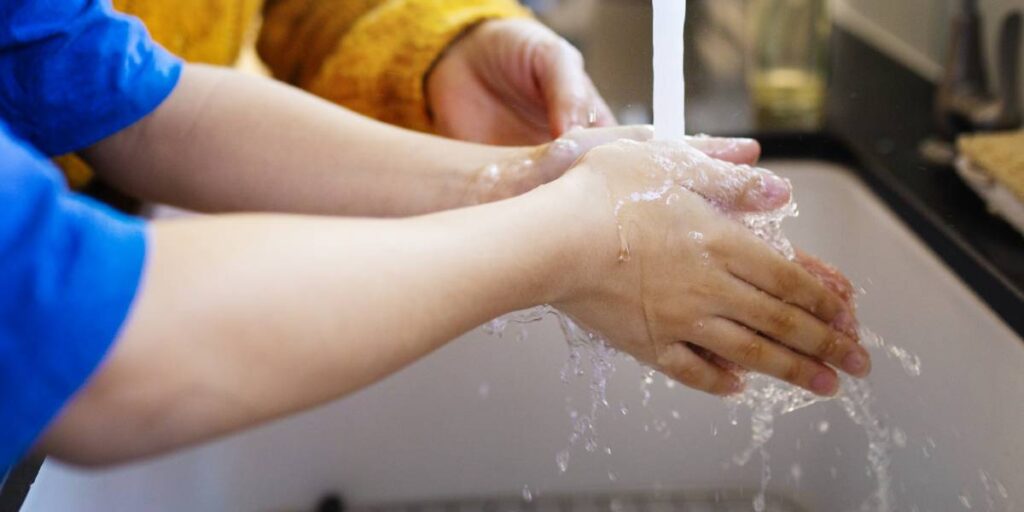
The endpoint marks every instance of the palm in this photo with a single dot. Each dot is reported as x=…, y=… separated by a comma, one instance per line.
x=469, y=106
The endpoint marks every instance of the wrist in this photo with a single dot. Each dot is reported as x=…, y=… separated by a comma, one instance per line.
x=582, y=232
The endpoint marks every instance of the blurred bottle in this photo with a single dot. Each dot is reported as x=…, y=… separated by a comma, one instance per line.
x=788, y=62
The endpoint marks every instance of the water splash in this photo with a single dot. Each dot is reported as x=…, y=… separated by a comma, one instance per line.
x=911, y=363
x=768, y=227
x=769, y=399
x=669, y=83
x=584, y=345
x=765, y=397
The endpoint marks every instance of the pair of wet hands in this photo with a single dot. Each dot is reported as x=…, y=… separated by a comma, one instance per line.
x=694, y=292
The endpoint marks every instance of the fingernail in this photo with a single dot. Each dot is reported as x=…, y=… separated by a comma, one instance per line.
x=856, y=363
x=844, y=322
x=777, y=190
x=824, y=384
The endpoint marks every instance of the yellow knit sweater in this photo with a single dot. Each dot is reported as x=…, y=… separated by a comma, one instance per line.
x=369, y=55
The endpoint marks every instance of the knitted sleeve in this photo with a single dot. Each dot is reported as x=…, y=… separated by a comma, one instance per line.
x=371, y=56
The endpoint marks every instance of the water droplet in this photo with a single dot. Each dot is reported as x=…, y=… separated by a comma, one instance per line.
x=612, y=477
x=796, y=472
x=823, y=427
x=965, y=500
x=675, y=415
x=484, y=390
x=527, y=494
x=645, y=387
x=899, y=438
x=759, y=503
x=1002, y=490
x=562, y=459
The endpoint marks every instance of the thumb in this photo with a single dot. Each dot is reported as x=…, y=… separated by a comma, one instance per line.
x=555, y=158
x=569, y=97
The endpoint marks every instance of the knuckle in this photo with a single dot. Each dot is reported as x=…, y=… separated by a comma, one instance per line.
x=751, y=351
x=822, y=304
x=828, y=347
x=688, y=372
x=783, y=322
x=787, y=284
x=792, y=371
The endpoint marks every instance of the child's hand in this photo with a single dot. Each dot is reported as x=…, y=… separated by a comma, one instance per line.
x=692, y=285
x=524, y=169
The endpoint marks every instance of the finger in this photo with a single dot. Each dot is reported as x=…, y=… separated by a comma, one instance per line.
x=600, y=115
x=767, y=270
x=717, y=360
x=741, y=188
x=795, y=328
x=751, y=350
x=564, y=86
x=555, y=158
x=730, y=187
x=682, y=364
x=835, y=281
x=736, y=150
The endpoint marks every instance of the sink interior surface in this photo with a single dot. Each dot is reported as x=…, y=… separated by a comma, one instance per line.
x=485, y=416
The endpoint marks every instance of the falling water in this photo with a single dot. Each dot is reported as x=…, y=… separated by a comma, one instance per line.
x=669, y=81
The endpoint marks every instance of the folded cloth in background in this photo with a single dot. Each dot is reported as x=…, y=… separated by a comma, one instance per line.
x=993, y=165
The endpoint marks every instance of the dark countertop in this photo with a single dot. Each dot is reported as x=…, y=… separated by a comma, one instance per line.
x=879, y=112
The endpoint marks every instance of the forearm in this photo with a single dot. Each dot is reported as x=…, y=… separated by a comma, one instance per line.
x=224, y=141
x=243, y=319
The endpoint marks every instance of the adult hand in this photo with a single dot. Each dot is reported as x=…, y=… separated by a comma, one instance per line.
x=513, y=82
x=671, y=278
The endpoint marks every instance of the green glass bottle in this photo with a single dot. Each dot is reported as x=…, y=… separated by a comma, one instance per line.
x=788, y=62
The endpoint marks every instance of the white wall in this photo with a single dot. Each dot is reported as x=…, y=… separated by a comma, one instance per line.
x=915, y=31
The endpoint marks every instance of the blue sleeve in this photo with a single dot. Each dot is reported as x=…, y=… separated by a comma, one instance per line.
x=73, y=72
x=69, y=268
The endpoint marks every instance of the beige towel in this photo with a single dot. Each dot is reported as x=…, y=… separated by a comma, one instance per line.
x=993, y=165
x=1001, y=155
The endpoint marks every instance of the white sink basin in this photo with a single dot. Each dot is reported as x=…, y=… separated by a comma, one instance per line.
x=484, y=416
